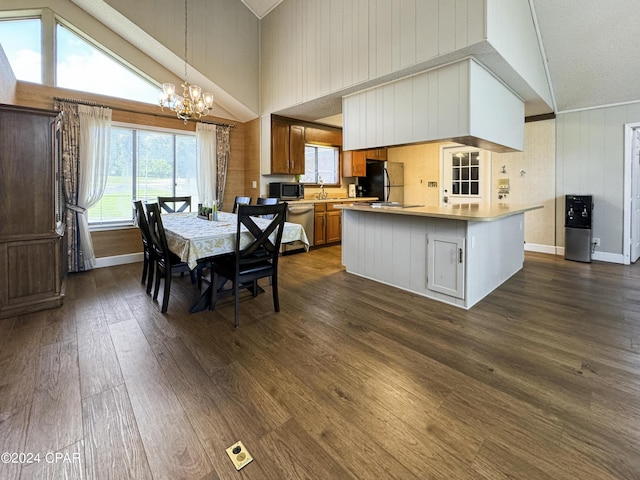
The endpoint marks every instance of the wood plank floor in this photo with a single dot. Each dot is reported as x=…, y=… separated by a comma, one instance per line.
x=351, y=380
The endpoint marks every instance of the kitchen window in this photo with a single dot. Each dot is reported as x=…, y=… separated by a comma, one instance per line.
x=145, y=164
x=322, y=165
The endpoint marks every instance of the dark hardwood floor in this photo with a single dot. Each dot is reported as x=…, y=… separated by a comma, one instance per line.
x=351, y=380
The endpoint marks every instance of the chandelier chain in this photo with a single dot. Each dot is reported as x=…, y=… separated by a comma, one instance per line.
x=185, y=40
x=193, y=103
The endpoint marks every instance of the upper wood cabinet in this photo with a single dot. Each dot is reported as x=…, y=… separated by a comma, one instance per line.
x=296, y=149
x=287, y=148
x=323, y=136
x=376, y=154
x=31, y=242
x=354, y=163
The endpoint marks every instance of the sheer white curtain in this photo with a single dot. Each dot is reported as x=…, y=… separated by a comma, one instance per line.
x=206, y=163
x=93, y=168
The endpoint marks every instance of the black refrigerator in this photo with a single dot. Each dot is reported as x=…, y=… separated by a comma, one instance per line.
x=384, y=180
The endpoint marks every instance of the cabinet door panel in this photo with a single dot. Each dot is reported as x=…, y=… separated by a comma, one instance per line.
x=296, y=149
x=445, y=262
x=319, y=237
x=32, y=269
x=334, y=226
x=26, y=155
x=279, y=147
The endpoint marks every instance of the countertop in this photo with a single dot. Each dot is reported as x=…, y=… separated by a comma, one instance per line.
x=477, y=212
x=332, y=200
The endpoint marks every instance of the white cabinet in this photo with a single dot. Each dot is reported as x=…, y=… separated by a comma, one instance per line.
x=445, y=265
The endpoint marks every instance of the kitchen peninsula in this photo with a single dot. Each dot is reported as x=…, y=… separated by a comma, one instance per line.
x=456, y=254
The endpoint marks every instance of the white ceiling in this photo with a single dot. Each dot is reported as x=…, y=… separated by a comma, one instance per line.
x=592, y=48
x=593, y=51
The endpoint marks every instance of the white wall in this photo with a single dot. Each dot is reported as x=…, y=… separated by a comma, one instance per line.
x=590, y=160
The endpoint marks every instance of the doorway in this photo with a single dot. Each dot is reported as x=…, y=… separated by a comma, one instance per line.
x=631, y=248
x=466, y=174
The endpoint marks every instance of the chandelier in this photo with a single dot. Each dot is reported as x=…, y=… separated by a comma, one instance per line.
x=193, y=103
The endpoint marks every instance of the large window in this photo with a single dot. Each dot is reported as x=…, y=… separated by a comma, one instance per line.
x=322, y=165
x=145, y=164
x=81, y=66
x=21, y=41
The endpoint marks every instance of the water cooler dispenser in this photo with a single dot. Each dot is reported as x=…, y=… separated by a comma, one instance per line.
x=577, y=227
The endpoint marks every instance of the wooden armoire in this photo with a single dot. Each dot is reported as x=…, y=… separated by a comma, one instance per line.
x=32, y=269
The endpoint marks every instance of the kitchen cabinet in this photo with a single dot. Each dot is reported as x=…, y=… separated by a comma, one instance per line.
x=334, y=224
x=320, y=224
x=445, y=262
x=354, y=163
x=376, y=154
x=327, y=224
x=287, y=148
x=31, y=206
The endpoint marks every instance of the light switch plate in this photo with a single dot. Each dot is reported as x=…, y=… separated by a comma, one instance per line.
x=239, y=455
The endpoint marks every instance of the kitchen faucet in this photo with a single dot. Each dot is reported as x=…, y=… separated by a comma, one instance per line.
x=322, y=195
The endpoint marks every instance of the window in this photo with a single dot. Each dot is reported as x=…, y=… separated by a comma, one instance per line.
x=81, y=66
x=466, y=174
x=21, y=41
x=322, y=165
x=145, y=164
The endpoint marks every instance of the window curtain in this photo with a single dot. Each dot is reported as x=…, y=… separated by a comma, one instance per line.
x=222, y=159
x=206, y=163
x=70, y=136
x=95, y=134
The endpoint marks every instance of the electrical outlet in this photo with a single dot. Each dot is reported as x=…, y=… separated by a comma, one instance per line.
x=596, y=242
x=239, y=455
x=254, y=184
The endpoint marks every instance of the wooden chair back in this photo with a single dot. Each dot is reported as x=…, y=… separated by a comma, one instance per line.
x=240, y=201
x=175, y=204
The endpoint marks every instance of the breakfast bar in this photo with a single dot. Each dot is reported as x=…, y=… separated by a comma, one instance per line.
x=456, y=254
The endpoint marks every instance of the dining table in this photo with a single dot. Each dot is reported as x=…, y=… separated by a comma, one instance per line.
x=196, y=239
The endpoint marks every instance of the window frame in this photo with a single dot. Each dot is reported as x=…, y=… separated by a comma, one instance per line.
x=117, y=224
x=338, y=152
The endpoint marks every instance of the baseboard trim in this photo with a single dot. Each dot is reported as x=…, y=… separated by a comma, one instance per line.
x=535, y=247
x=119, y=260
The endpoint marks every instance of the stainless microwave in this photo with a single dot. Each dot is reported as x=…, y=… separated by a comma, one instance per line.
x=286, y=191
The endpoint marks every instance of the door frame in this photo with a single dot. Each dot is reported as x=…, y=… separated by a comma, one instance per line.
x=627, y=191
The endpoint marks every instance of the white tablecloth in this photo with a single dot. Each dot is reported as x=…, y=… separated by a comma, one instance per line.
x=193, y=238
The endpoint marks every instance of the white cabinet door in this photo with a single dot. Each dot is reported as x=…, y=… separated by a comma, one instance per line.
x=445, y=265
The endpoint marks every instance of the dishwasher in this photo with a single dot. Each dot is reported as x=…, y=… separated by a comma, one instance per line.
x=304, y=215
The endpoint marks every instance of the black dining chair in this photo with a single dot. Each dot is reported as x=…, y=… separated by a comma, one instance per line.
x=166, y=262
x=148, y=258
x=240, y=201
x=258, y=259
x=267, y=201
x=175, y=204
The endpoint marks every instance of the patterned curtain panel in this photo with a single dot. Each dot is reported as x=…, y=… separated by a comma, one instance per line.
x=70, y=139
x=222, y=160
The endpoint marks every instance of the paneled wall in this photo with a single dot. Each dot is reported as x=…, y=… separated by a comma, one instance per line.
x=510, y=30
x=452, y=102
x=311, y=48
x=590, y=160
